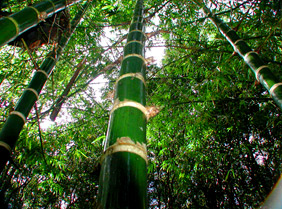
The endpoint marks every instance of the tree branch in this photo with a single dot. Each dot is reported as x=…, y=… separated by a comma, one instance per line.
x=58, y=104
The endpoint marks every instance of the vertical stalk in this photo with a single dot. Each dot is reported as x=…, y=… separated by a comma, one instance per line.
x=262, y=72
x=16, y=120
x=19, y=22
x=123, y=181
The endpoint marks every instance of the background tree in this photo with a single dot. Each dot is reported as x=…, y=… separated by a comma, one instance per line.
x=216, y=141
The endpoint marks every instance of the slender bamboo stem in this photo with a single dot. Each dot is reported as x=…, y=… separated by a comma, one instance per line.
x=19, y=22
x=123, y=173
x=58, y=104
x=262, y=72
x=16, y=120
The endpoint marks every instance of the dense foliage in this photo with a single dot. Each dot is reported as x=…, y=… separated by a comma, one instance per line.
x=216, y=141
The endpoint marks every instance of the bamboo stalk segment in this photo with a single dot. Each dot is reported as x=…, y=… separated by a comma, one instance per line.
x=17, y=23
x=123, y=174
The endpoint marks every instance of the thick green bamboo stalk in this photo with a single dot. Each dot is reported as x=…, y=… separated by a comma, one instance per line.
x=15, y=122
x=124, y=163
x=17, y=23
x=262, y=72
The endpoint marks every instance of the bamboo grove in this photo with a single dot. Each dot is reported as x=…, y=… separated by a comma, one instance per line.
x=128, y=174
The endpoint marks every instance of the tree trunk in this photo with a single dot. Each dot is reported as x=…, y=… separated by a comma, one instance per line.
x=123, y=181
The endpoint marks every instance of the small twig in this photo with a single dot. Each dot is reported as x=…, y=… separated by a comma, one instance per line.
x=240, y=22
x=30, y=55
x=62, y=98
x=270, y=34
x=39, y=132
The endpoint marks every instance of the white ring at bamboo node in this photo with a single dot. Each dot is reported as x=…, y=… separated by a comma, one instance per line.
x=135, y=55
x=43, y=72
x=15, y=23
x=235, y=45
x=54, y=7
x=6, y=146
x=33, y=91
x=259, y=69
x=125, y=144
x=139, y=31
x=236, y=42
x=18, y=114
x=229, y=31
x=37, y=12
x=133, y=75
x=271, y=90
x=129, y=103
x=247, y=54
x=130, y=42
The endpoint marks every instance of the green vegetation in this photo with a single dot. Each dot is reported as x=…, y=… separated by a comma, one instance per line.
x=214, y=133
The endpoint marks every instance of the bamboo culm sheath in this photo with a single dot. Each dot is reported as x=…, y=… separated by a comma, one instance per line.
x=123, y=181
x=16, y=120
x=262, y=72
x=19, y=22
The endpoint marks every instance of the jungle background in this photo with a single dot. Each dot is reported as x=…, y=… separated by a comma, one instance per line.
x=214, y=138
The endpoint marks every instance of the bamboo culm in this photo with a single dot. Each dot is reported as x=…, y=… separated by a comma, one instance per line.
x=19, y=22
x=261, y=71
x=16, y=120
x=123, y=177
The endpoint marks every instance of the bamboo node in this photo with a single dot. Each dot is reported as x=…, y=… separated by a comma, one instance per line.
x=235, y=45
x=18, y=114
x=33, y=91
x=259, y=69
x=43, y=72
x=135, y=55
x=53, y=58
x=133, y=75
x=140, y=31
x=229, y=31
x=6, y=146
x=37, y=12
x=248, y=53
x=129, y=103
x=130, y=42
x=236, y=42
x=125, y=144
x=54, y=7
x=15, y=23
x=271, y=90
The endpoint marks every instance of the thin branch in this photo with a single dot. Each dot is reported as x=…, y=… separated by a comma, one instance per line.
x=268, y=37
x=223, y=100
x=30, y=55
x=58, y=104
x=39, y=132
